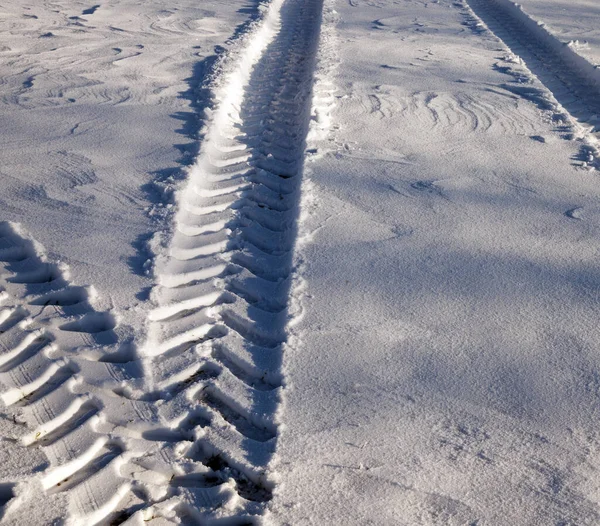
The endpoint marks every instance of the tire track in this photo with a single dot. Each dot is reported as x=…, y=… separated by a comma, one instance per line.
x=185, y=428
x=217, y=335
x=58, y=358
x=572, y=81
x=70, y=377
x=73, y=385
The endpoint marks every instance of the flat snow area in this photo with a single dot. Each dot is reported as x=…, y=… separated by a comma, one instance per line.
x=299, y=262
x=445, y=367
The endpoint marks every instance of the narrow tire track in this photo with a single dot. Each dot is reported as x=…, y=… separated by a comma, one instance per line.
x=572, y=81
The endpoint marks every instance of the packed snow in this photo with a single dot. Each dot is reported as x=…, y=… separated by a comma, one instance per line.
x=299, y=262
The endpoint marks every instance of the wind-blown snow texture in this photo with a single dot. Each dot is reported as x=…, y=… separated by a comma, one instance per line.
x=299, y=262
x=445, y=367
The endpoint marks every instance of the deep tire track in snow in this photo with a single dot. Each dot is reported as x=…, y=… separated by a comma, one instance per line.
x=58, y=359
x=572, y=81
x=216, y=337
x=185, y=428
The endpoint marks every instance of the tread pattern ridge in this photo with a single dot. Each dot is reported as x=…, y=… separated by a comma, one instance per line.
x=181, y=429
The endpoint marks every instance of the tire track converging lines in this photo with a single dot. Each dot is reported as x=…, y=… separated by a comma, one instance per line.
x=217, y=334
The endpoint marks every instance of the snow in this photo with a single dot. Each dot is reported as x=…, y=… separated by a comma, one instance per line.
x=299, y=262
x=93, y=116
x=445, y=367
x=572, y=22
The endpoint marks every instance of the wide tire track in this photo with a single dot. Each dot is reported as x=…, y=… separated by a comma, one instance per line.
x=185, y=429
x=217, y=335
x=61, y=365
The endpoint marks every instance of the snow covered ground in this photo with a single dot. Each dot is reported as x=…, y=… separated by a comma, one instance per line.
x=445, y=368
x=97, y=105
x=301, y=262
x=571, y=22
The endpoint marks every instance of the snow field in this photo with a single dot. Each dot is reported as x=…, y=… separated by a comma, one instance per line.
x=373, y=295
x=447, y=319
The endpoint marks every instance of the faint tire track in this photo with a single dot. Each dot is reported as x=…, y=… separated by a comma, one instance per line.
x=571, y=80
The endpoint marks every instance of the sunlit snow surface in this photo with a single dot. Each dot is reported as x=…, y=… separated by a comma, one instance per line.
x=300, y=262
